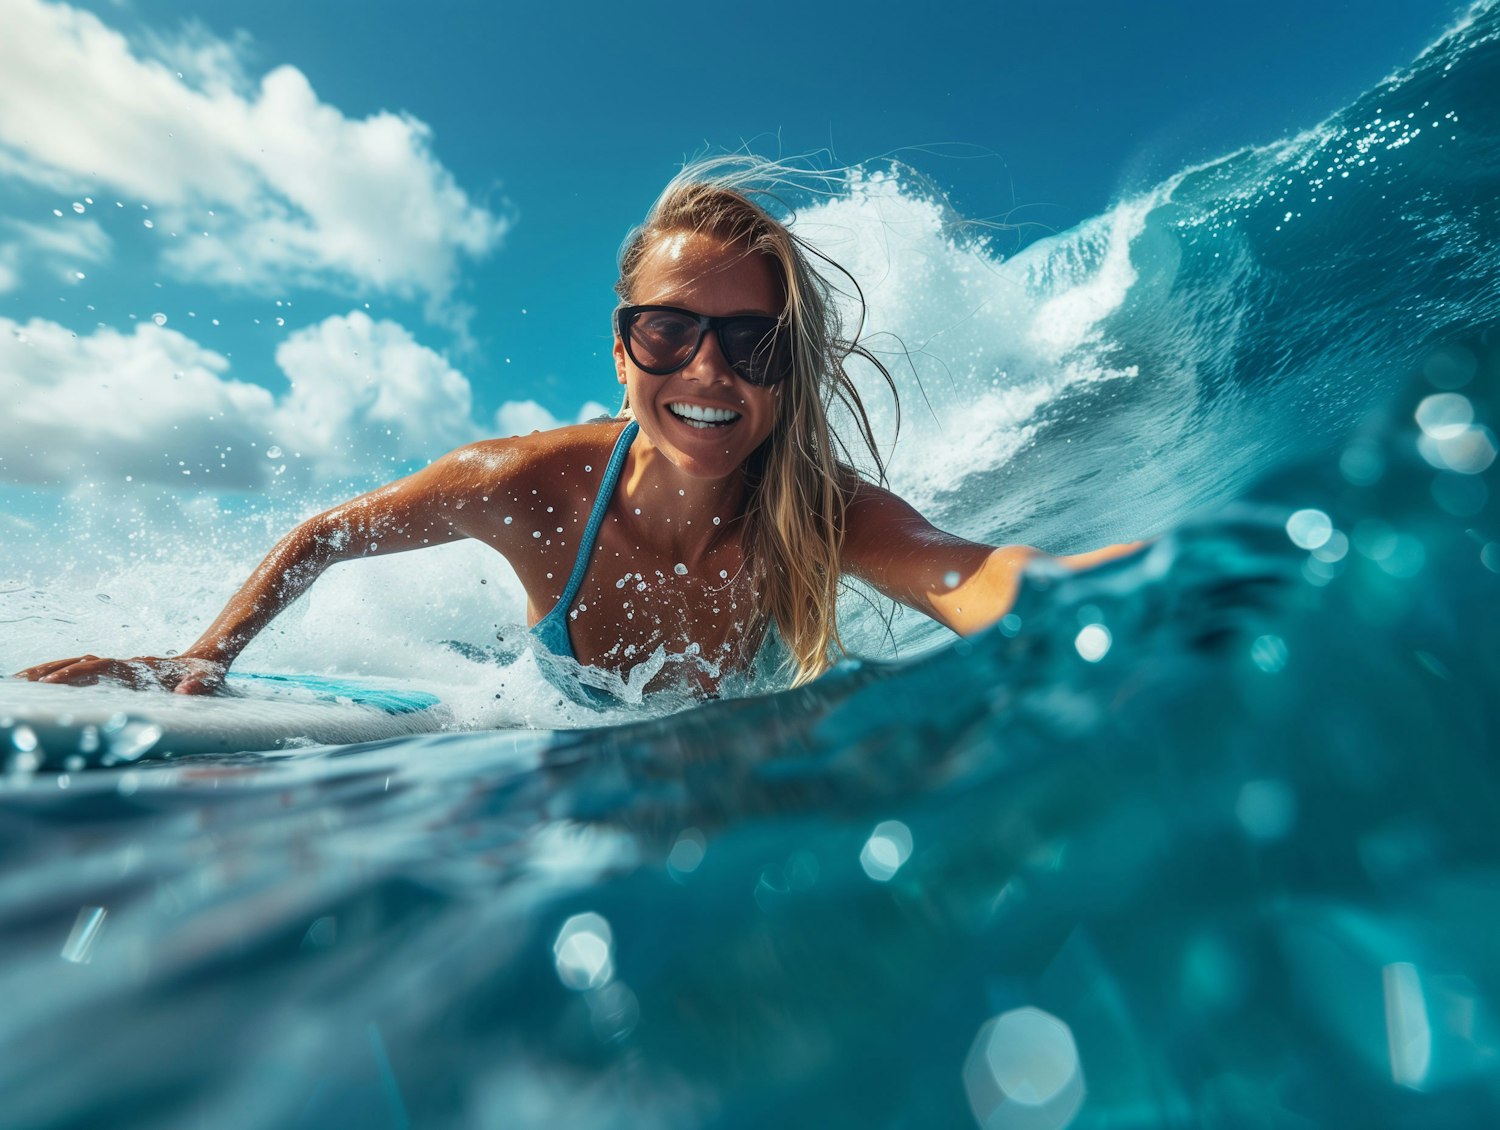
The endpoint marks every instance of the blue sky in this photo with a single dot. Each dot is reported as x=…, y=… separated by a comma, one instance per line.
x=372, y=231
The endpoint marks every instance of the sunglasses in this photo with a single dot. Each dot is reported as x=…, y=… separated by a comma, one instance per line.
x=663, y=339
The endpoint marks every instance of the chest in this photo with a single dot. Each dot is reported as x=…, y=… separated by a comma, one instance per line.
x=636, y=598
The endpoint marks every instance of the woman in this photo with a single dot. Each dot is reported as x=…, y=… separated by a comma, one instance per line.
x=714, y=511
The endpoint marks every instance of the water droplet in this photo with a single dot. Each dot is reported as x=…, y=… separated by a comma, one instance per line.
x=951, y=579
x=680, y=569
x=886, y=851
x=1309, y=529
x=1093, y=642
x=583, y=952
x=1269, y=653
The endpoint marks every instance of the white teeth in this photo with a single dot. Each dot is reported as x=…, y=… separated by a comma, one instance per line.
x=700, y=417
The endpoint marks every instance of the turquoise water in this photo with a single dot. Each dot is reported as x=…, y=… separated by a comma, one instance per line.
x=1203, y=838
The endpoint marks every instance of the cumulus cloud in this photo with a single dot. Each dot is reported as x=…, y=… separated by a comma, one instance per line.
x=150, y=403
x=301, y=194
x=365, y=397
x=364, y=391
x=522, y=417
x=61, y=248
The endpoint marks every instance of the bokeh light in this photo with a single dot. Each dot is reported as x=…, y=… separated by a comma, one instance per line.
x=584, y=952
x=887, y=849
x=1023, y=1072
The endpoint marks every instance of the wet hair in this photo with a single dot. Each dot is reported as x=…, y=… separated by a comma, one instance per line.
x=801, y=480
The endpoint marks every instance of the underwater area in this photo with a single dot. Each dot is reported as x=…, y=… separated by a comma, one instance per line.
x=1209, y=836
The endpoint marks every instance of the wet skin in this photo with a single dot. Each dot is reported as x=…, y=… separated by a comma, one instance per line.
x=667, y=569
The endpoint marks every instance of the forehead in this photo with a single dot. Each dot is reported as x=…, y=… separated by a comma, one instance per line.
x=707, y=274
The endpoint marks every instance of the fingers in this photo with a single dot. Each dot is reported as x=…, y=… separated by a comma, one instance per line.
x=185, y=676
x=42, y=670
x=87, y=670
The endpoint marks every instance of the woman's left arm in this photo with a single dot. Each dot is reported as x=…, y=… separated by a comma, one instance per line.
x=962, y=584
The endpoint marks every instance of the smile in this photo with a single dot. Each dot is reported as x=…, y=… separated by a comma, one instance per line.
x=699, y=417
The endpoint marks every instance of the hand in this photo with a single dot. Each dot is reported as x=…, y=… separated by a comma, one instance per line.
x=182, y=674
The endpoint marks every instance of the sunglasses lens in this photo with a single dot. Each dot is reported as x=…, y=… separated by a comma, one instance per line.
x=754, y=349
x=662, y=340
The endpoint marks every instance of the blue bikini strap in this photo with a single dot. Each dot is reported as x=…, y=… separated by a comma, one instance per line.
x=596, y=515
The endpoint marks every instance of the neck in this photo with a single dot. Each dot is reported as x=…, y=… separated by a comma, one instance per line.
x=685, y=516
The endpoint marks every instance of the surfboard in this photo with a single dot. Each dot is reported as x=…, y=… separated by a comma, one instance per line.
x=59, y=727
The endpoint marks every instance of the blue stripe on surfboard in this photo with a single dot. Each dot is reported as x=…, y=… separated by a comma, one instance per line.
x=344, y=690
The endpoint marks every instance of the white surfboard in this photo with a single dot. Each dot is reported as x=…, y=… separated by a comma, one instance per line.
x=58, y=727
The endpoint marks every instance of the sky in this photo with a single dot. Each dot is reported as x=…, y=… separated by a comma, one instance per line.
x=333, y=240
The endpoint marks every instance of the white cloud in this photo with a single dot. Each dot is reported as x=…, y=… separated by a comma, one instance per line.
x=63, y=247
x=302, y=195
x=363, y=391
x=522, y=417
x=150, y=403
x=365, y=398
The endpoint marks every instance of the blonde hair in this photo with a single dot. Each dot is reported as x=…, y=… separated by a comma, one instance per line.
x=801, y=480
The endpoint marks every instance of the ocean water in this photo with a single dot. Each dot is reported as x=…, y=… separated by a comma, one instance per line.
x=1207, y=837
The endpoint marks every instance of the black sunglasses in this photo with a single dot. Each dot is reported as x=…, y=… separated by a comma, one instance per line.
x=663, y=339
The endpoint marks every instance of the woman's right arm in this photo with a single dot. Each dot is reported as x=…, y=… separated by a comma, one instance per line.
x=426, y=508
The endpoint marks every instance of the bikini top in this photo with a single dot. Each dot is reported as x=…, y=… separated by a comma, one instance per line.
x=551, y=631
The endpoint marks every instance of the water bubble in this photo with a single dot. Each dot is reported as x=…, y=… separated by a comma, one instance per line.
x=687, y=853
x=102, y=597
x=583, y=952
x=1489, y=556
x=77, y=207
x=86, y=929
x=723, y=574
x=1470, y=452
x=1093, y=642
x=1408, y=1028
x=159, y=319
x=79, y=275
x=1463, y=496
x=1334, y=549
x=887, y=849
x=1266, y=809
x=133, y=741
x=1451, y=367
x=1309, y=529
x=951, y=579
x=1362, y=463
x=1269, y=653
x=536, y=533
x=23, y=739
x=508, y=519
x=680, y=569
x=1023, y=1072
x=148, y=223
x=1445, y=415
x=273, y=452
x=716, y=519
x=281, y=321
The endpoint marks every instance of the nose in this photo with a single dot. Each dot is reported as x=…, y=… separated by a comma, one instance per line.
x=708, y=365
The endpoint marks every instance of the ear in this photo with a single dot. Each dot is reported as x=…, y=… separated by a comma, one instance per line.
x=620, y=360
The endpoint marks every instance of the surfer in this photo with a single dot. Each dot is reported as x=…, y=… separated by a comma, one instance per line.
x=716, y=511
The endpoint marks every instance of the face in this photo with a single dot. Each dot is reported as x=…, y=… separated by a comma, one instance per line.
x=702, y=273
